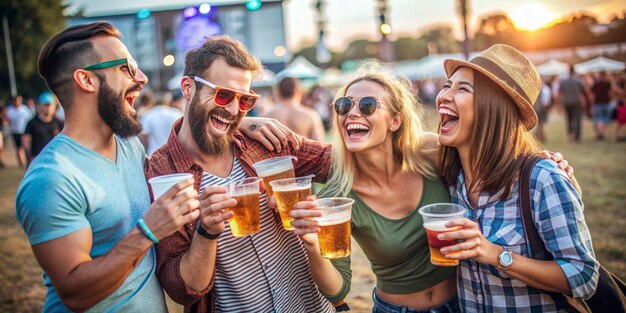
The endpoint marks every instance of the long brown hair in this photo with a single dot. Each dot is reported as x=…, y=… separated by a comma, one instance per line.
x=500, y=142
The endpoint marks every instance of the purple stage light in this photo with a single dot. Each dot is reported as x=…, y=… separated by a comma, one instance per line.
x=190, y=12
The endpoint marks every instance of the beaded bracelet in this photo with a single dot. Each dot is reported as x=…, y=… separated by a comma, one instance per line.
x=146, y=231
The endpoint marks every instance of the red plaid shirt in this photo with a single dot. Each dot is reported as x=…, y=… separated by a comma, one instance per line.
x=312, y=158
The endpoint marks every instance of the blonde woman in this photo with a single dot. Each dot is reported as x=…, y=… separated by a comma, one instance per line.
x=382, y=160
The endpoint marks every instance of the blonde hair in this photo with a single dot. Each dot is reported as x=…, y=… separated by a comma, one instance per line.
x=408, y=141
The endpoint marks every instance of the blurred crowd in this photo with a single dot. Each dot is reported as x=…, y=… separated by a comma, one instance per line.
x=597, y=96
x=29, y=123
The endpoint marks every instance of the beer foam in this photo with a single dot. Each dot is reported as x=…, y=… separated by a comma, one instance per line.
x=243, y=192
x=335, y=218
x=439, y=225
x=283, y=188
x=273, y=166
x=273, y=171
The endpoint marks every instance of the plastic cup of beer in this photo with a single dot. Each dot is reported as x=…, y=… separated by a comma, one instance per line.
x=273, y=169
x=247, y=217
x=435, y=217
x=334, y=224
x=160, y=184
x=288, y=192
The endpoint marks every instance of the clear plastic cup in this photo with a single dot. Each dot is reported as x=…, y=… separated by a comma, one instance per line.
x=288, y=192
x=160, y=184
x=435, y=217
x=273, y=169
x=247, y=217
x=335, y=230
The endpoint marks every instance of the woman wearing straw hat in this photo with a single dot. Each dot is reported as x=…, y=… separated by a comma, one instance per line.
x=385, y=161
x=486, y=113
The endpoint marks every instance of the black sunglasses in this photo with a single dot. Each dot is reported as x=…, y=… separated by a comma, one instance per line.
x=367, y=105
x=130, y=64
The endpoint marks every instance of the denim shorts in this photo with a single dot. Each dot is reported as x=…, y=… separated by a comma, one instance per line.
x=380, y=306
x=601, y=112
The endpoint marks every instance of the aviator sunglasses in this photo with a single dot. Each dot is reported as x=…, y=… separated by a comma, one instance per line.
x=367, y=105
x=130, y=64
x=224, y=96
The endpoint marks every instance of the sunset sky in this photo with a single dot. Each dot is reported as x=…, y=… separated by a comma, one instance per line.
x=353, y=19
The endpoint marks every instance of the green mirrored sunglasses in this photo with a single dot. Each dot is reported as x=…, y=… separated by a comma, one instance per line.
x=130, y=64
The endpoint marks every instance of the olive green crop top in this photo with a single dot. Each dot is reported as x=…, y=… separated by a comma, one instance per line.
x=396, y=248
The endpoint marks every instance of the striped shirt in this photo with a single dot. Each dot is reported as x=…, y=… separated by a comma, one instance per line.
x=277, y=258
x=262, y=272
x=558, y=215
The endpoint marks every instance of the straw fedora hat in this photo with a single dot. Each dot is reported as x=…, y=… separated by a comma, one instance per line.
x=512, y=71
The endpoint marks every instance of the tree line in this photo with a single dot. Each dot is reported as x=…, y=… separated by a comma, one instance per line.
x=33, y=22
x=573, y=31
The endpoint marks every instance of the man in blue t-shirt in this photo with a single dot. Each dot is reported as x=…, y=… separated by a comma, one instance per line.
x=84, y=202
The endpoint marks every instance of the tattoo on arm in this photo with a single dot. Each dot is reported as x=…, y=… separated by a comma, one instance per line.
x=254, y=126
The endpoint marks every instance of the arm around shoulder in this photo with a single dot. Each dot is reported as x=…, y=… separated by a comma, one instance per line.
x=563, y=229
x=430, y=148
x=313, y=157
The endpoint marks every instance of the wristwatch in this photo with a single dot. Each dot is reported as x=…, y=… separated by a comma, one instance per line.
x=506, y=259
x=202, y=232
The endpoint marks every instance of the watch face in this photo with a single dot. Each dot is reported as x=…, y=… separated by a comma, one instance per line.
x=506, y=258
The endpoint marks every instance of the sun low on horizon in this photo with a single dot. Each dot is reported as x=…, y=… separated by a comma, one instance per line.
x=532, y=16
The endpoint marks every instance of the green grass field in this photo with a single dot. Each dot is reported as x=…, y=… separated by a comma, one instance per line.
x=600, y=168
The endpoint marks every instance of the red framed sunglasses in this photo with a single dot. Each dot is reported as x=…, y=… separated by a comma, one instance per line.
x=224, y=96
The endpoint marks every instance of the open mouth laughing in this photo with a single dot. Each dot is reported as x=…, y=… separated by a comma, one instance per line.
x=449, y=119
x=220, y=123
x=356, y=130
x=130, y=98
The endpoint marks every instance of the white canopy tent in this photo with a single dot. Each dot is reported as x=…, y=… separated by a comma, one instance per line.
x=174, y=82
x=599, y=64
x=268, y=79
x=424, y=68
x=333, y=77
x=428, y=67
x=553, y=67
x=300, y=68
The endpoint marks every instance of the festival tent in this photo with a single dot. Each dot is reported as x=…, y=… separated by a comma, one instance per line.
x=333, y=77
x=428, y=67
x=267, y=79
x=553, y=67
x=599, y=64
x=300, y=68
x=174, y=82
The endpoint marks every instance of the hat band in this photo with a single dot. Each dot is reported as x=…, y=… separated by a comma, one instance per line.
x=496, y=70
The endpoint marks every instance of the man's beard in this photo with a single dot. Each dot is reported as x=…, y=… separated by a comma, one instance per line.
x=111, y=110
x=198, y=122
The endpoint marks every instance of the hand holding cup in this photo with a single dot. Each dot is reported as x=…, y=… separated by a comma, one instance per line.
x=173, y=208
x=304, y=220
x=214, y=204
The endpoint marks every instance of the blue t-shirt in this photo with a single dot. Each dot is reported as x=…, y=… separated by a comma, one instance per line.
x=69, y=187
